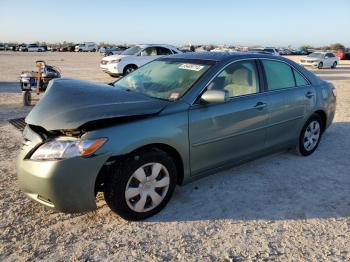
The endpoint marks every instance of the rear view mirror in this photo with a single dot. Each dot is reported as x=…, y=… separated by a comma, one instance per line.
x=214, y=96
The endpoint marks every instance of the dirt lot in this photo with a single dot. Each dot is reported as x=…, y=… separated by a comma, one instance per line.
x=279, y=208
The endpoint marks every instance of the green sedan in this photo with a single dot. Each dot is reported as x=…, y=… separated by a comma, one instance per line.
x=172, y=121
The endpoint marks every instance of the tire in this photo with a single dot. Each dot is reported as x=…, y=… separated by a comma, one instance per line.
x=145, y=198
x=320, y=65
x=309, y=133
x=334, y=64
x=93, y=50
x=27, y=98
x=128, y=69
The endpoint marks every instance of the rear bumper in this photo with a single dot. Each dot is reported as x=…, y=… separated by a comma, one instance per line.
x=65, y=185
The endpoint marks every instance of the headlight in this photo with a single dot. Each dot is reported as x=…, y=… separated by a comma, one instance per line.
x=114, y=61
x=62, y=149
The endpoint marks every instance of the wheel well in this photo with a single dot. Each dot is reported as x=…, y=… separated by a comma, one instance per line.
x=323, y=116
x=172, y=152
x=174, y=155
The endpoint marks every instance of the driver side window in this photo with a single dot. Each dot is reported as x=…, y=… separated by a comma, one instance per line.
x=237, y=79
x=149, y=51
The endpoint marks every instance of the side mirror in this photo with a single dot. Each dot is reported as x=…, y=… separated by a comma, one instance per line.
x=214, y=96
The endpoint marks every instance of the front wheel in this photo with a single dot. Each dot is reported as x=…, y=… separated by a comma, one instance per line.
x=27, y=98
x=128, y=69
x=141, y=185
x=334, y=65
x=310, y=136
x=320, y=65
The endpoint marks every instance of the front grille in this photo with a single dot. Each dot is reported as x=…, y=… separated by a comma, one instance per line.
x=18, y=123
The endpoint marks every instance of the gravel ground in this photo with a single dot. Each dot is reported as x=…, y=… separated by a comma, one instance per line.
x=278, y=208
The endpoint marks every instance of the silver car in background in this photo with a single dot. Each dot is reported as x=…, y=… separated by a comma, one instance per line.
x=320, y=60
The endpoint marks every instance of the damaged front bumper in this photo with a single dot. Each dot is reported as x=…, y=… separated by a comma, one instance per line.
x=66, y=185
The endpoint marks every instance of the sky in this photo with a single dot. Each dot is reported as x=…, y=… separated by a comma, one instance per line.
x=241, y=22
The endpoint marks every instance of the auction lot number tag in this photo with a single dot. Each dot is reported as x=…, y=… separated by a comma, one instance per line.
x=191, y=67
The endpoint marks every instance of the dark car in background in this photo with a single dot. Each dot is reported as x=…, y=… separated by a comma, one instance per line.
x=68, y=48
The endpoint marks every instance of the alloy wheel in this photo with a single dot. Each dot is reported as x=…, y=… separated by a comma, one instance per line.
x=312, y=135
x=129, y=70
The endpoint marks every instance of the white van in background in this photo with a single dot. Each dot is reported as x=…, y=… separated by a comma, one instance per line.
x=86, y=47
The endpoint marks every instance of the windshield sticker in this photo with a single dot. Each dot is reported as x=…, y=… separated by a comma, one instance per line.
x=191, y=67
x=174, y=96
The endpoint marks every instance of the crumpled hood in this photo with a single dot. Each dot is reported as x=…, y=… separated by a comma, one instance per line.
x=69, y=104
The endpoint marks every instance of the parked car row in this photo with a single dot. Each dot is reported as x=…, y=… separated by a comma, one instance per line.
x=34, y=47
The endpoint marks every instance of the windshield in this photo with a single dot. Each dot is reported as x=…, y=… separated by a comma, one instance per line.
x=132, y=50
x=316, y=55
x=163, y=79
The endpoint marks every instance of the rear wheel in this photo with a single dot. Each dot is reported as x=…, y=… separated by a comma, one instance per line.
x=334, y=64
x=310, y=136
x=141, y=185
x=320, y=65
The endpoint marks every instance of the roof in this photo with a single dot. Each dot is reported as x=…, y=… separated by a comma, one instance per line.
x=222, y=56
x=161, y=45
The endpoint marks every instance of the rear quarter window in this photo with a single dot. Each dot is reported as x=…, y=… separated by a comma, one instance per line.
x=299, y=79
x=278, y=75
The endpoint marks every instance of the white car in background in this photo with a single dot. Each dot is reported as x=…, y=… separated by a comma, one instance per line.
x=271, y=50
x=86, y=47
x=134, y=57
x=35, y=48
x=320, y=60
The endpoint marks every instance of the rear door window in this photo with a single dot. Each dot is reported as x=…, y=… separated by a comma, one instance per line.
x=278, y=75
x=163, y=51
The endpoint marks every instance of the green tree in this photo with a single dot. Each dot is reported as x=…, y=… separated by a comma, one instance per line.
x=337, y=47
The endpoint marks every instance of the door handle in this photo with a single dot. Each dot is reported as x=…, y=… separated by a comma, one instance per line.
x=260, y=105
x=309, y=94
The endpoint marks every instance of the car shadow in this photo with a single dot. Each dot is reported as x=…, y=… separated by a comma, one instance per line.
x=277, y=187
